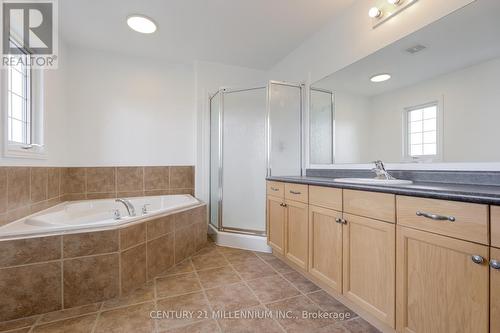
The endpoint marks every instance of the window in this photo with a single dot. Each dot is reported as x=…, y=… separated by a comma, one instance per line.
x=22, y=108
x=422, y=132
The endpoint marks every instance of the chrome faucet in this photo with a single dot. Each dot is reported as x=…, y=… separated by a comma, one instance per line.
x=128, y=205
x=380, y=171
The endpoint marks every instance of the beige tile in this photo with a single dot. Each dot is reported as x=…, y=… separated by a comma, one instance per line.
x=242, y=258
x=133, y=268
x=29, y=290
x=44, y=205
x=201, y=235
x=3, y=219
x=183, y=267
x=231, y=297
x=207, y=326
x=82, y=324
x=97, y=196
x=358, y=325
x=207, y=261
x=101, y=180
x=160, y=226
x=90, y=243
x=16, y=214
x=215, y=277
x=29, y=250
x=254, y=270
x=129, y=179
x=280, y=266
x=261, y=323
x=132, y=236
x=140, y=295
x=130, y=194
x=17, y=323
x=68, y=313
x=3, y=190
x=134, y=318
x=156, y=178
x=18, y=187
x=185, y=243
x=265, y=256
x=209, y=248
x=90, y=279
x=195, y=303
x=39, y=184
x=300, y=282
x=297, y=322
x=177, y=285
x=272, y=288
x=328, y=303
x=160, y=255
x=74, y=180
x=150, y=193
x=74, y=196
x=174, y=191
x=181, y=177
x=53, y=182
x=189, y=217
x=21, y=330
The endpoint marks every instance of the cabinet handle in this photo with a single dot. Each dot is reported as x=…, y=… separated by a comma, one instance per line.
x=477, y=259
x=436, y=217
x=338, y=220
x=495, y=264
x=294, y=192
x=344, y=221
x=275, y=189
x=283, y=204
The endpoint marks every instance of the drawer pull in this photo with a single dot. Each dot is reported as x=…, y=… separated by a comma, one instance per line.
x=477, y=259
x=283, y=204
x=275, y=189
x=495, y=264
x=295, y=192
x=338, y=220
x=436, y=217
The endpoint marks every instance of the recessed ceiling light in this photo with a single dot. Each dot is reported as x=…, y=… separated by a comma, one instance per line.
x=380, y=77
x=141, y=23
x=374, y=12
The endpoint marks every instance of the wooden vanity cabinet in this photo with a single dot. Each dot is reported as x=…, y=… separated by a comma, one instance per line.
x=369, y=265
x=495, y=226
x=494, y=290
x=276, y=215
x=296, y=233
x=440, y=288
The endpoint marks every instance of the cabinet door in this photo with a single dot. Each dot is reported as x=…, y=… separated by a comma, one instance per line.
x=325, y=246
x=495, y=291
x=297, y=233
x=439, y=286
x=369, y=265
x=276, y=224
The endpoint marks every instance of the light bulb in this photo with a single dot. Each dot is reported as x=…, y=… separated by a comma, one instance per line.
x=394, y=2
x=374, y=12
x=380, y=77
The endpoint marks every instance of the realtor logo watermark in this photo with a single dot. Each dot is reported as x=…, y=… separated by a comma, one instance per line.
x=29, y=33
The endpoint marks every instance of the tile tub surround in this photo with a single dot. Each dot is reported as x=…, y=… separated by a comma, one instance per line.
x=27, y=190
x=44, y=274
x=224, y=284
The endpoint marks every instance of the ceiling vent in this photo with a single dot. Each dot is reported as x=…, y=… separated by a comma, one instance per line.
x=415, y=49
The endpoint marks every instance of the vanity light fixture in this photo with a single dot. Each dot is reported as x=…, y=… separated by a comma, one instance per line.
x=142, y=24
x=395, y=2
x=380, y=77
x=374, y=12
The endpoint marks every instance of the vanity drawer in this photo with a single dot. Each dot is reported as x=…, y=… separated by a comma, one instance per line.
x=297, y=192
x=326, y=197
x=276, y=189
x=450, y=218
x=495, y=226
x=380, y=206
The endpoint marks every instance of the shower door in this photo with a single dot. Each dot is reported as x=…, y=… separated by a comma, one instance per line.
x=215, y=158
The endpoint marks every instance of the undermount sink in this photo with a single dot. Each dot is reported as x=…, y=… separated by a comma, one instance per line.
x=374, y=181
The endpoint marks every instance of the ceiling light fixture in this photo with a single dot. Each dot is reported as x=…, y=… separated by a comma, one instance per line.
x=142, y=24
x=380, y=77
x=394, y=2
x=374, y=12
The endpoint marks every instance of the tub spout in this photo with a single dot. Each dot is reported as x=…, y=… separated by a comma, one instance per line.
x=128, y=205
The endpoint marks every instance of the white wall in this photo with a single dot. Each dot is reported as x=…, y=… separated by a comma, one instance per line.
x=470, y=101
x=128, y=111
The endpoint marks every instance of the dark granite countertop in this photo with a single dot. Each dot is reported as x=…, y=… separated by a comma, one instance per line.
x=485, y=194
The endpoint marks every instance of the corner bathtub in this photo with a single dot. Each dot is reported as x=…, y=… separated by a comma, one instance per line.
x=91, y=215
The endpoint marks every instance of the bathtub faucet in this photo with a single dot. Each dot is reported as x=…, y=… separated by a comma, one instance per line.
x=128, y=205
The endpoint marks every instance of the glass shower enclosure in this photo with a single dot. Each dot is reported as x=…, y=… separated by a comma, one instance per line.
x=254, y=132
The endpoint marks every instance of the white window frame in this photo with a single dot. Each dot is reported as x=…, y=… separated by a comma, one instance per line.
x=439, y=134
x=36, y=149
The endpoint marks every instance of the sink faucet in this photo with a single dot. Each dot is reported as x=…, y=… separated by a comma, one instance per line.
x=128, y=205
x=380, y=171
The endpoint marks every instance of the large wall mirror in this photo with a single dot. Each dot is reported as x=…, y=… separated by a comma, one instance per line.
x=433, y=96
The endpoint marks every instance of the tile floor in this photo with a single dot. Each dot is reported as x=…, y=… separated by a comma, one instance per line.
x=217, y=280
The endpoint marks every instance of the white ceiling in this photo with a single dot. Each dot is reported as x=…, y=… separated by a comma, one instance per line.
x=250, y=33
x=463, y=38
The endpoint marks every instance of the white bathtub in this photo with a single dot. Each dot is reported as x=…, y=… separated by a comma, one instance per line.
x=90, y=215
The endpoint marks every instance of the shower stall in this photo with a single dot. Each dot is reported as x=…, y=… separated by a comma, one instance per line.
x=254, y=132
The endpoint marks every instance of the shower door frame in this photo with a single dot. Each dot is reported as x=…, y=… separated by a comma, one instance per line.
x=220, y=147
